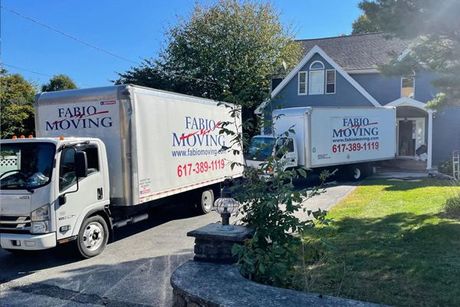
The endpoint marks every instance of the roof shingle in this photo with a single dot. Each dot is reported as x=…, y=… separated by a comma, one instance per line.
x=358, y=52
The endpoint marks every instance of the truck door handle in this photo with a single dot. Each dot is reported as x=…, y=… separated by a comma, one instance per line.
x=100, y=194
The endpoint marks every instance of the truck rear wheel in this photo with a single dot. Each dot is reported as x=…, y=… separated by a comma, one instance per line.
x=92, y=237
x=206, y=201
x=358, y=172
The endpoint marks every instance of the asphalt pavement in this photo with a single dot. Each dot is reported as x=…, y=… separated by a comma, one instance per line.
x=134, y=270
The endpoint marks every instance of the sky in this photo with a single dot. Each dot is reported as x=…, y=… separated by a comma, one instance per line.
x=129, y=30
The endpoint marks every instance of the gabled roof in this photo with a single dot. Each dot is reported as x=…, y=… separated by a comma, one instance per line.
x=337, y=67
x=358, y=52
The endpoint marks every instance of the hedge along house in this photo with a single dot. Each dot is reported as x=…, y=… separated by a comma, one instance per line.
x=343, y=71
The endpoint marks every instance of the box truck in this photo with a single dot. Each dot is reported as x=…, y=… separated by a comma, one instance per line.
x=102, y=157
x=318, y=138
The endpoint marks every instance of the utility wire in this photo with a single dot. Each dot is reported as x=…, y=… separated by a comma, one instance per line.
x=78, y=40
x=87, y=44
x=25, y=69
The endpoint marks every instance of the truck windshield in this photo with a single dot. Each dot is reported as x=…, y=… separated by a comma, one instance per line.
x=260, y=148
x=26, y=165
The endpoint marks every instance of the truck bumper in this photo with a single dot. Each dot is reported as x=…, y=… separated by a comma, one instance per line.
x=27, y=242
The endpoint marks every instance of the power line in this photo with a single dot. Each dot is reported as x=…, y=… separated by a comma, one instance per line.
x=68, y=35
x=26, y=69
x=88, y=44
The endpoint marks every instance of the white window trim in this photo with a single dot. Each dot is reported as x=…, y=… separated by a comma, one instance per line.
x=401, y=86
x=313, y=63
x=306, y=83
x=335, y=82
x=309, y=81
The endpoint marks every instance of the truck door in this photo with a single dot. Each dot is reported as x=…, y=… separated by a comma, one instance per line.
x=289, y=157
x=78, y=199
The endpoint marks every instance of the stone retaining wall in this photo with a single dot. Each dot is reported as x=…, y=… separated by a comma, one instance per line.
x=204, y=284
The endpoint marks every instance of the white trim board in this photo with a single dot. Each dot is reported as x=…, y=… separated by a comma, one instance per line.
x=307, y=57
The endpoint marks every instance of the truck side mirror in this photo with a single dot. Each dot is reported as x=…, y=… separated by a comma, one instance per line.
x=81, y=164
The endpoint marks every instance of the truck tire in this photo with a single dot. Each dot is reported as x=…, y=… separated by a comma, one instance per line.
x=358, y=172
x=92, y=237
x=206, y=201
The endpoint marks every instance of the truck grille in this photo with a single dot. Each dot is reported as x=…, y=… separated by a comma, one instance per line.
x=15, y=224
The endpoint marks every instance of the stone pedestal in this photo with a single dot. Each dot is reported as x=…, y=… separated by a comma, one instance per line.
x=214, y=242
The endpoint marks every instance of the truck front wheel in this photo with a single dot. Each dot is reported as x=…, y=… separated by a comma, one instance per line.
x=92, y=237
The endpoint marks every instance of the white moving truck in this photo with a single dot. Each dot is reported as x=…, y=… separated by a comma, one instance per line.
x=347, y=138
x=102, y=157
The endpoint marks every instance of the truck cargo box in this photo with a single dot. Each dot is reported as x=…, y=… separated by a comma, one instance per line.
x=159, y=143
x=328, y=136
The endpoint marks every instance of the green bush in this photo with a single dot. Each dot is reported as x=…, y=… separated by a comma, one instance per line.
x=452, y=206
x=446, y=167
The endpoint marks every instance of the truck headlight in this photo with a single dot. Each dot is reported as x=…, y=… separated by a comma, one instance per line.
x=39, y=227
x=40, y=214
x=40, y=220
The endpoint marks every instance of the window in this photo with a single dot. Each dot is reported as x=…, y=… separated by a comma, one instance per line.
x=302, y=86
x=316, y=78
x=408, y=86
x=67, y=176
x=330, y=81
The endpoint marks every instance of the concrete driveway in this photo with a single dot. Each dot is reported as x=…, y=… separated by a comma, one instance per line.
x=133, y=271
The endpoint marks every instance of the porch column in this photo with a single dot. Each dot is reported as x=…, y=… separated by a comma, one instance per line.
x=429, y=160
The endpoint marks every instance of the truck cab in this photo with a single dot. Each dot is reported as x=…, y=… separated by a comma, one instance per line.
x=49, y=189
x=263, y=147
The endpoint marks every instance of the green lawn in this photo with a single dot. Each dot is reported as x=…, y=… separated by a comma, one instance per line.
x=390, y=243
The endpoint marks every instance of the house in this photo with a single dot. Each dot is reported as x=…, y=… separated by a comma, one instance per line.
x=343, y=71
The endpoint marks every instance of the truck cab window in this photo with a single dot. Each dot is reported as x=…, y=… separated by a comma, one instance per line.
x=67, y=175
x=283, y=146
x=93, y=159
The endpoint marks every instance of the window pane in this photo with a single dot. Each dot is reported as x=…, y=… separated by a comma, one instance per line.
x=302, y=76
x=407, y=87
x=330, y=88
x=316, y=86
x=316, y=65
x=330, y=76
x=67, y=176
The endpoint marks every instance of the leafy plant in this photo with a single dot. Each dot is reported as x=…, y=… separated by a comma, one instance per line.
x=452, y=206
x=446, y=167
x=270, y=205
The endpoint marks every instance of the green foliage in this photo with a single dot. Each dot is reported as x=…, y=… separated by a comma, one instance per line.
x=432, y=26
x=270, y=205
x=59, y=83
x=363, y=25
x=16, y=111
x=452, y=206
x=226, y=52
x=446, y=167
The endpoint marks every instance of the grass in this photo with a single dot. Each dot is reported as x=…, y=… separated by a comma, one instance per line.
x=391, y=243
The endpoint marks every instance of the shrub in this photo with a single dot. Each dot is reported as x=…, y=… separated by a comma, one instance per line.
x=452, y=206
x=446, y=167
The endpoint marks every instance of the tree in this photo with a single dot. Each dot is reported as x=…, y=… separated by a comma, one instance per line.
x=363, y=25
x=59, y=83
x=434, y=28
x=16, y=98
x=226, y=52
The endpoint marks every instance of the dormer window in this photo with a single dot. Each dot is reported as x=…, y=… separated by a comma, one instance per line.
x=316, y=78
x=408, y=86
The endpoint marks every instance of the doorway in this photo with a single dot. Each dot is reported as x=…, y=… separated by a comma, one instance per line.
x=406, y=144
